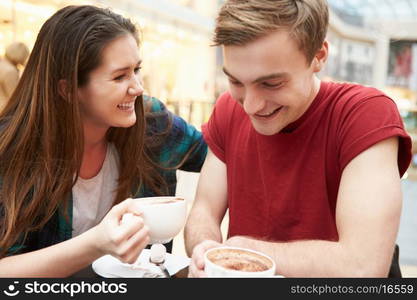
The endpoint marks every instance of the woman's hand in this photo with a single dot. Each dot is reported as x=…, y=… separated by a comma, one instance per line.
x=124, y=240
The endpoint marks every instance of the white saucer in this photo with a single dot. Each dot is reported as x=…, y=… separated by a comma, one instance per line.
x=110, y=267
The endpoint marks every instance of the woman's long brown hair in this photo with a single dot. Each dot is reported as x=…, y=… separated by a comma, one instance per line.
x=41, y=133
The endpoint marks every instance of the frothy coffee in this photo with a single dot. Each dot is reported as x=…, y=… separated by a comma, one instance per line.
x=239, y=260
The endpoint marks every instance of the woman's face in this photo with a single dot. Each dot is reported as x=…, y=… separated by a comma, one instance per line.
x=108, y=98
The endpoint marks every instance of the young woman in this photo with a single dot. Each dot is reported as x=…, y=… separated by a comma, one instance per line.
x=77, y=139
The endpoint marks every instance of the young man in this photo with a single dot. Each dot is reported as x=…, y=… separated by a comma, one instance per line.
x=310, y=171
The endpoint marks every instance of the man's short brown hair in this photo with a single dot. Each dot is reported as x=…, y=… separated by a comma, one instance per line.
x=242, y=21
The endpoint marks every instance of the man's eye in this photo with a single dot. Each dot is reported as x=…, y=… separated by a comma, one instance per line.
x=235, y=82
x=137, y=70
x=271, y=85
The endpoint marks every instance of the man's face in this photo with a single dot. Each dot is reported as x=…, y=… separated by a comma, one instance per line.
x=272, y=80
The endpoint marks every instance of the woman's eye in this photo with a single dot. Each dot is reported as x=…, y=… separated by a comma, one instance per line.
x=137, y=70
x=118, y=78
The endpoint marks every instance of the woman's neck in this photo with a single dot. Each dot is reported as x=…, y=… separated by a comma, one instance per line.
x=95, y=149
x=94, y=138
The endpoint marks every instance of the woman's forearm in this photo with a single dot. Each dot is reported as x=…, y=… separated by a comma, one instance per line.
x=59, y=260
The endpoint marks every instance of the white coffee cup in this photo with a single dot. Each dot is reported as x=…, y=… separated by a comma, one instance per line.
x=237, y=262
x=165, y=216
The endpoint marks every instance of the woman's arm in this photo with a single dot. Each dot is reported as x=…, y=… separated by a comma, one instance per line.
x=122, y=240
x=182, y=146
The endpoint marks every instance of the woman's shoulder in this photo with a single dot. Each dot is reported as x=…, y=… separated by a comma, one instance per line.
x=153, y=104
x=158, y=118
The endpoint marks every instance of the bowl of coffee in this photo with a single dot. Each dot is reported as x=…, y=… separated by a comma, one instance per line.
x=237, y=262
x=165, y=217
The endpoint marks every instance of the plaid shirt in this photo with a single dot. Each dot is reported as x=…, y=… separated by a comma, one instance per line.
x=172, y=151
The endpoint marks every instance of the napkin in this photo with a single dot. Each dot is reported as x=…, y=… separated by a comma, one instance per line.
x=109, y=266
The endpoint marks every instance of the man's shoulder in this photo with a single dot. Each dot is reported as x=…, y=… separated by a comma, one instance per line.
x=354, y=90
x=349, y=95
x=226, y=104
x=226, y=99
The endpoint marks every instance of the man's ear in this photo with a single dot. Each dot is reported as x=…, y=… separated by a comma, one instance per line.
x=321, y=57
x=63, y=88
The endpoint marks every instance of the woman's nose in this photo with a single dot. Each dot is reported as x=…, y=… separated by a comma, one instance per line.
x=136, y=89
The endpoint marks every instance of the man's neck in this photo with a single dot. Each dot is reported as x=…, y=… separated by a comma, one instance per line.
x=316, y=88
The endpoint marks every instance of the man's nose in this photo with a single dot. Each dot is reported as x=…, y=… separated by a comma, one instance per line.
x=252, y=103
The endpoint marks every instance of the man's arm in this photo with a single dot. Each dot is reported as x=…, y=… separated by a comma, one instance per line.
x=209, y=206
x=367, y=216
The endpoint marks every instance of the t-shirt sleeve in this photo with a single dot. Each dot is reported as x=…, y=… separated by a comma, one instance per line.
x=368, y=122
x=215, y=130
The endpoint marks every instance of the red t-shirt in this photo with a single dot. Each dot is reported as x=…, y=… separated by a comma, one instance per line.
x=284, y=187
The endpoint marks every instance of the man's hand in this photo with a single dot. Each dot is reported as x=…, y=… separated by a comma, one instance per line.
x=196, y=268
x=241, y=241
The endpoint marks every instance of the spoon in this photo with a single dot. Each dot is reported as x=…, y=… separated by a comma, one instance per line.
x=157, y=257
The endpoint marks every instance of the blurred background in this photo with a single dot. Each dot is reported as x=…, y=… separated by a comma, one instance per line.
x=372, y=42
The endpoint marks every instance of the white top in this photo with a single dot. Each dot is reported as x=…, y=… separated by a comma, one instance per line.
x=93, y=198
